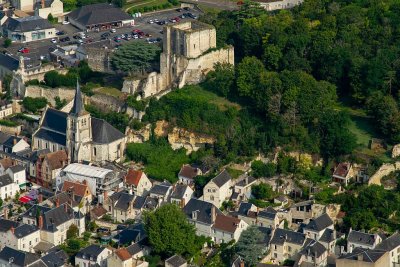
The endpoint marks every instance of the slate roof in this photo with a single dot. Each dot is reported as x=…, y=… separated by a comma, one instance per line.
x=176, y=261
x=5, y=225
x=312, y=248
x=247, y=181
x=98, y=14
x=179, y=191
x=25, y=230
x=19, y=258
x=222, y=178
x=55, y=258
x=363, y=254
x=54, y=127
x=328, y=236
x=361, y=238
x=103, y=132
x=17, y=168
x=203, y=209
x=132, y=234
x=78, y=108
x=27, y=24
x=139, y=202
x=5, y=180
x=268, y=213
x=390, y=243
x=319, y=223
x=282, y=235
x=4, y=59
x=8, y=62
x=52, y=217
x=134, y=249
x=161, y=189
x=90, y=252
x=122, y=200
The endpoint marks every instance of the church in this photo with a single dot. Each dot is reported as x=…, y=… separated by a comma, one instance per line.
x=86, y=139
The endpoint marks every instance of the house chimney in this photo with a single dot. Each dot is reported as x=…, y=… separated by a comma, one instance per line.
x=40, y=223
x=43, y=5
x=15, y=141
x=57, y=202
x=360, y=257
x=242, y=263
x=105, y=195
x=5, y=210
x=12, y=229
x=40, y=198
x=84, y=182
x=65, y=207
x=213, y=214
x=183, y=203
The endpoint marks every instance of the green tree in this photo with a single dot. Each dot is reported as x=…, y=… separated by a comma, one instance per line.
x=262, y=191
x=221, y=79
x=34, y=104
x=7, y=42
x=169, y=231
x=69, y=4
x=60, y=103
x=1, y=202
x=136, y=57
x=260, y=169
x=72, y=231
x=51, y=19
x=250, y=245
x=7, y=86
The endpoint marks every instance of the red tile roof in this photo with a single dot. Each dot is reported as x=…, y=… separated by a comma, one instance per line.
x=6, y=163
x=342, y=169
x=188, y=171
x=99, y=211
x=226, y=223
x=76, y=187
x=57, y=159
x=133, y=177
x=123, y=254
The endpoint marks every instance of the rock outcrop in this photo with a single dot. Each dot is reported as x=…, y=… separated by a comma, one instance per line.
x=179, y=138
x=396, y=151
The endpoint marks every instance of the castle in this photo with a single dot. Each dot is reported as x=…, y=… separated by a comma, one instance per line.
x=85, y=138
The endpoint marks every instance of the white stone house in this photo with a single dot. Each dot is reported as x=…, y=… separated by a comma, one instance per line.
x=343, y=173
x=138, y=182
x=55, y=8
x=219, y=189
x=271, y=5
x=120, y=206
x=285, y=244
x=316, y=227
x=92, y=255
x=181, y=194
x=357, y=239
x=18, y=236
x=8, y=188
x=227, y=228
x=392, y=246
x=17, y=174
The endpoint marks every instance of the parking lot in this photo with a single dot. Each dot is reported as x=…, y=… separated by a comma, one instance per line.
x=39, y=50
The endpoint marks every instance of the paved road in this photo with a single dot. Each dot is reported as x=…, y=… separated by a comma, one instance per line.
x=219, y=4
x=40, y=49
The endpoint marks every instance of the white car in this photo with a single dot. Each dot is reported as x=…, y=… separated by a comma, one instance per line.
x=113, y=30
x=54, y=41
x=65, y=22
x=151, y=21
x=80, y=41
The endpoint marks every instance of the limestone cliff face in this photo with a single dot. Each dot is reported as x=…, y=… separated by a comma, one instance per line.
x=179, y=138
x=176, y=136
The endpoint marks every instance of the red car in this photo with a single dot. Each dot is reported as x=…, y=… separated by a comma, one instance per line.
x=24, y=50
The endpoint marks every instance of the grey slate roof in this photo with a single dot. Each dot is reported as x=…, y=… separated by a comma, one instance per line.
x=98, y=14
x=6, y=225
x=77, y=108
x=176, y=261
x=25, y=230
x=328, y=236
x=268, y=213
x=319, y=223
x=222, y=178
x=5, y=180
x=282, y=235
x=19, y=258
x=139, y=202
x=132, y=234
x=244, y=208
x=244, y=182
x=103, y=132
x=27, y=24
x=90, y=252
x=390, y=243
x=9, y=63
x=312, y=248
x=361, y=238
x=179, y=191
x=55, y=120
x=17, y=168
x=363, y=254
x=122, y=200
x=134, y=249
x=203, y=209
x=161, y=189
x=55, y=258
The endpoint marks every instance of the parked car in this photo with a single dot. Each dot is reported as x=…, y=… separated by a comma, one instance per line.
x=113, y=30
x=65, y=22
x=190, y=15
x=54, y=41
x=60, y=33
x=23, y=50
x=179, y=9
x=151, y=21
x=106, y=34
x=186, y=8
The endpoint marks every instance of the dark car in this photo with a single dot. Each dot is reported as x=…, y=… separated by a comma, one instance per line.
x=103, y=230
x=186, y=8
x=179, y=9
x=190, y=15
x=60, y=33
x=106, y=34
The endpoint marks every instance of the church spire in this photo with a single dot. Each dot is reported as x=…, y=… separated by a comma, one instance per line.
x=78, y=108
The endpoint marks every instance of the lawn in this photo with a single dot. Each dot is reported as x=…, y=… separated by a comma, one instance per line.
x=135, y=4
x=109, y=91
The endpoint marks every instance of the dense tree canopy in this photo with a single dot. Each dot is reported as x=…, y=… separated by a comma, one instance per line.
x=169, y=231
x=250, y=245
x=136, y=57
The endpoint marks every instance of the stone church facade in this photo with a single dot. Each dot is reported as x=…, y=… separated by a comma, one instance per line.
x=85, y=138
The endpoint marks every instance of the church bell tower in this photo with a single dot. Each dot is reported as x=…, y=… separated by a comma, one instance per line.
x=79, y=131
